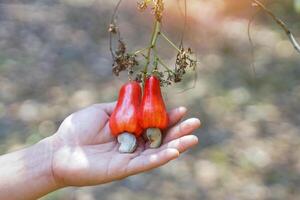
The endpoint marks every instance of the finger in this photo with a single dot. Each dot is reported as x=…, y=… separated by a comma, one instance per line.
x=105, y=135
x=176, y=115
x=108, y=107
x=147, y=162
x=184, y=128
x=102, y=148
x=181, y=144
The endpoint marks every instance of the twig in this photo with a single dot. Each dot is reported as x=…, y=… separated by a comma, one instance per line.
x=290, y=35
x=193, y=85
x=170, y=42
x=162, y=62
x=140, y=51
x=184, y=15
x=251, y=42
x=112, y=22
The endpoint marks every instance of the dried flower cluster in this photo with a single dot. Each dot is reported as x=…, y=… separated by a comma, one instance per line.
x=152, y=63
x=184, y=61
x=143, y=5
x=123, y=61
x=113, y=28
x=158, y=7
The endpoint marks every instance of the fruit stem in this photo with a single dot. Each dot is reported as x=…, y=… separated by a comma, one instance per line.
x=155, y=33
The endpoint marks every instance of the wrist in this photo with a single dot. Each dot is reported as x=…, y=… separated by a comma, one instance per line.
x=29, y=170
x=52, y=144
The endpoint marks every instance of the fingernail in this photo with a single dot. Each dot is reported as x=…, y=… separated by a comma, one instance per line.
x=195, y=121
x=182, y=109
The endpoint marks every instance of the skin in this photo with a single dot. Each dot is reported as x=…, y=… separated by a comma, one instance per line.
x=83, y=152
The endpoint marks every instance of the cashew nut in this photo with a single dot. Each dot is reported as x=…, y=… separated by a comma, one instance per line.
x=128, y=143
x=154, y=136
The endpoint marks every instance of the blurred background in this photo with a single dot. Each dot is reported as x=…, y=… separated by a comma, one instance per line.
x=54, y=60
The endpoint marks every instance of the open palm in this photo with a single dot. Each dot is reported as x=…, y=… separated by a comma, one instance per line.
x=87, y=154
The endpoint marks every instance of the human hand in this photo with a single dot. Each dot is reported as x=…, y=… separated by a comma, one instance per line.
x=85, y=153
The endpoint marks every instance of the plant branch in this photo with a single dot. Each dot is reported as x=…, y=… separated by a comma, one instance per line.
x=155, y=33
x=112, y=23
x=170, y=42
x=185, y=23
x=140, y=51
x=160, y=61
x=280, y=23
x=251, y=42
